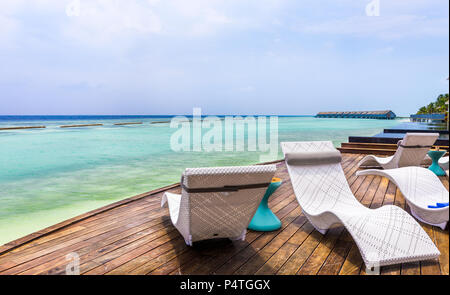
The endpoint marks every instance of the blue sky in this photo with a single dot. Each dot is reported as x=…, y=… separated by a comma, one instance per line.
x=285, y=57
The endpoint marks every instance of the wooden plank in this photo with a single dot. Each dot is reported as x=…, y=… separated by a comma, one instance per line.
x=21, y=241
x=320, y=254
x=150, y=260
x=122, y=255
x=255, y=247
x=87, y=227
x=107, y=225
x=275, y=263
x=174, y=264
x=301, y=255
x=71, y=244
x=257, y=261
x=411, y=268
x=54, y=262
x=352, y=264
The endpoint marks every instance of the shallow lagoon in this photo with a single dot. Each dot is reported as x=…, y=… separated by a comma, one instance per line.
x=49, y=175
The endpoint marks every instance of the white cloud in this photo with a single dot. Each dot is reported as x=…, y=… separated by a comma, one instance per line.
x=119, y=24
x=103, y=22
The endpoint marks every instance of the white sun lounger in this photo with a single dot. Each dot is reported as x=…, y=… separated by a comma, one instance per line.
x=421, y=188
x=217, y=202
x=384, y=236
x=412, y=151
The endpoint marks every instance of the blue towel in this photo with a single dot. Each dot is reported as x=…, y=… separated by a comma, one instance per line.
x=438, y=205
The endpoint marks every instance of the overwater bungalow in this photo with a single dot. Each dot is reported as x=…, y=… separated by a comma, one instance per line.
x=383, y=115
x=428, y=118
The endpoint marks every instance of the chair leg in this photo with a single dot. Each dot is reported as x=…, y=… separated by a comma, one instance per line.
x=315, y=224
x=322, y=231
x=241, y=237
x=188, y=241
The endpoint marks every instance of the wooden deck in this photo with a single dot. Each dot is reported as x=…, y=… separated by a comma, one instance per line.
x=135, y=236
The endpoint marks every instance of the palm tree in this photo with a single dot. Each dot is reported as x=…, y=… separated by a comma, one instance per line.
x=435, y=107
x=440, y=103
x=422, y=110
x=431, y=108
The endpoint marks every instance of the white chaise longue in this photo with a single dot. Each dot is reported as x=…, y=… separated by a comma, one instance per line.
x=412, y=151
x=384, y=236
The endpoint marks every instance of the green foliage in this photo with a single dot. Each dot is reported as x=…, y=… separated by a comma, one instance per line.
x=422, y=110
x=438, y=106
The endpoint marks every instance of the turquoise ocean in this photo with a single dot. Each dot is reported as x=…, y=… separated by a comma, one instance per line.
x=52, y=174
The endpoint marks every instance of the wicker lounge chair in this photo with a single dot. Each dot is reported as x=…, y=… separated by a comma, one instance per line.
x=412, y=151
x=218, y=202
x=384, y=236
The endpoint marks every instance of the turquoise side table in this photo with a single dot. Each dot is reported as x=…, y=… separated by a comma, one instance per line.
x=435, y=156
x=264, y=219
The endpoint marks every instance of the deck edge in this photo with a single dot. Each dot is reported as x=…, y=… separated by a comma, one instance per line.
x=53, y=228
